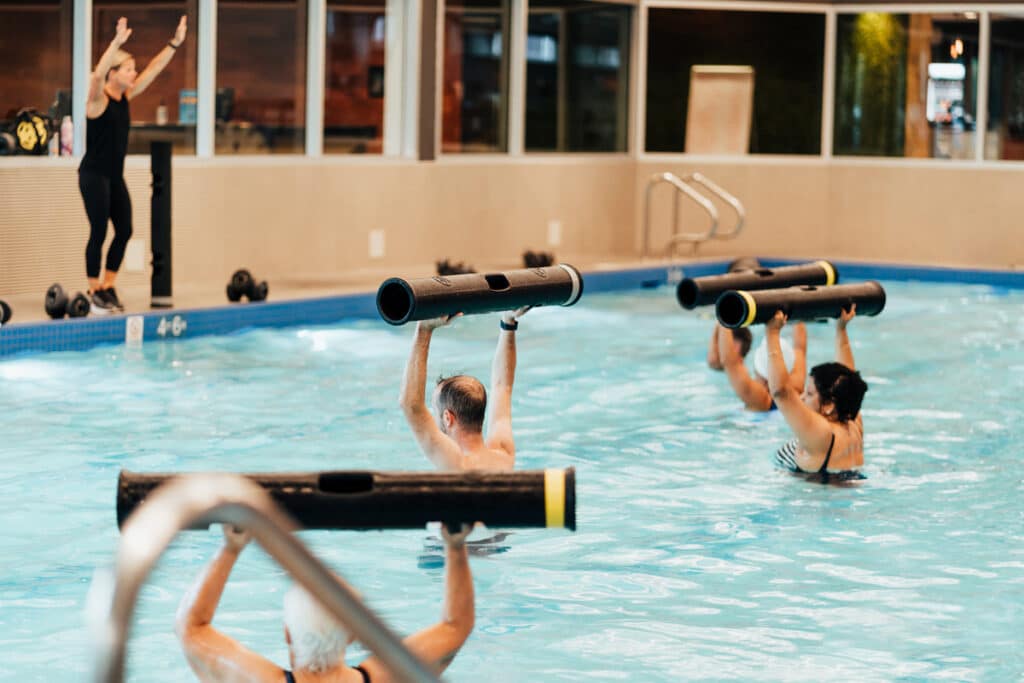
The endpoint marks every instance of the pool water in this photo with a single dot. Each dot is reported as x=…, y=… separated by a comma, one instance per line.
x=694, y=558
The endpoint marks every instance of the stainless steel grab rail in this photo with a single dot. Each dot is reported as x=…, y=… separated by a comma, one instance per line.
x=728, y=198
x=681, y=188
x=232, y=499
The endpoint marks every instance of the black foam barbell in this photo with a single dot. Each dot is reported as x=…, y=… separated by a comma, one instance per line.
x=399, y=500
x=703, y=291
x=400, y=301
x=739, y=308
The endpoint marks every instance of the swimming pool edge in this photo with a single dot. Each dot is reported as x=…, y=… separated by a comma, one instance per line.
x=81, y=334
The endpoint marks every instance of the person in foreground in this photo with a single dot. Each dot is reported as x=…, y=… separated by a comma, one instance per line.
x=455, y=441
x=316, y=641
x=826, y=418
x=729, y=348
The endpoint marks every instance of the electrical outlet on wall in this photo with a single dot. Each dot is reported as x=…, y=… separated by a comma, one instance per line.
x=554, y=233
x=376, y=244
x=135, y=256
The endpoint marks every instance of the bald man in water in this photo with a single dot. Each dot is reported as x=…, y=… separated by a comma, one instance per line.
x=453, y=437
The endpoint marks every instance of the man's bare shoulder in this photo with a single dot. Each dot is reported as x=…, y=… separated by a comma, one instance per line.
x=488, y=459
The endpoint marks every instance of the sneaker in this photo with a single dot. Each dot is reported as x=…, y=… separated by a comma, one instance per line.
x=111, y=296
x=99, y=303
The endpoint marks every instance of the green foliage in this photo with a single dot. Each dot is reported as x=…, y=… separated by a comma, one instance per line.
x=871, y=70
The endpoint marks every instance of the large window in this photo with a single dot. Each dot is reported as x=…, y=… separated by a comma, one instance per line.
x=261, y=76
x=474, y=100
x=354, y=77
x=577, y=76
x=1005, y=137
x=767, y=102
x=166, y=110
x=35, y=51
x=906, y=85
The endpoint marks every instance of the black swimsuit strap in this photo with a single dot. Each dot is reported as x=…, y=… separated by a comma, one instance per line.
x=290, y=678
x=824, y=465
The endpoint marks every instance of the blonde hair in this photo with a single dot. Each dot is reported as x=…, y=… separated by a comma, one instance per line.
x=120, y=57
x=318, y=639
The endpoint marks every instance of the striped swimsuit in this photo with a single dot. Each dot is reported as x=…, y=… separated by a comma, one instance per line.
x=786, y=459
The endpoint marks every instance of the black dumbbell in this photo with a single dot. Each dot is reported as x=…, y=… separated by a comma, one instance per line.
x=5, y=312
x=243, y=284
x=79, y=306
x=537, y=259
x=56, y=302
x=58, y=305
x=447, y=267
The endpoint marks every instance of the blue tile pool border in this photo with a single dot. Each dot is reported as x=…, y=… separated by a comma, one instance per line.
x=85, y=333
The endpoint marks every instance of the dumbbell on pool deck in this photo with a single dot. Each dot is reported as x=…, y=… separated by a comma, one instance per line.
x=243, y=284
x=58, y=305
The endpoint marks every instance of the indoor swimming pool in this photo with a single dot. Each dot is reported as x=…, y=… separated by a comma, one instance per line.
x=693, y=559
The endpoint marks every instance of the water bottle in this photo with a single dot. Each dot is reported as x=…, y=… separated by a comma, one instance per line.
x=161, y=114
x=67, y=133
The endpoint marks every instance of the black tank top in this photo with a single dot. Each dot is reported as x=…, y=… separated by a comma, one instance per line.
x=106, y=139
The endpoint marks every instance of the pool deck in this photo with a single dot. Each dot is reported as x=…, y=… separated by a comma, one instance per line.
x=303, y=300
x=28, y=308
x=327, y=299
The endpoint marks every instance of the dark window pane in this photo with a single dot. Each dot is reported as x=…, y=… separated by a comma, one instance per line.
x=354, y=87
x=35, y=50
x=166, y=109
x=1005, y=138
x=785, y=50
x=906, y=85
x=261, y=76
x=577, y=76
x=474, y=98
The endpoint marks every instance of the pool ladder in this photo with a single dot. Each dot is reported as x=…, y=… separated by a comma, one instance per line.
x=229, y=499
x=684, y=187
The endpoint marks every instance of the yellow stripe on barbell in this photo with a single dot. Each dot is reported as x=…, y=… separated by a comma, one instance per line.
x=751, y=307
x=554, y=497
x=830, y=273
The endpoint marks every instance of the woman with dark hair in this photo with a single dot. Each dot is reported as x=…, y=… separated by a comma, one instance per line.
x=112, y=83
x=826, y=418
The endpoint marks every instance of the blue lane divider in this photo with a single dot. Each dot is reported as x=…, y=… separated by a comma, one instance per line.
x=80, y=334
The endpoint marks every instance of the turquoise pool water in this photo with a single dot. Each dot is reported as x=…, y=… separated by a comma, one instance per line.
x=694, y=559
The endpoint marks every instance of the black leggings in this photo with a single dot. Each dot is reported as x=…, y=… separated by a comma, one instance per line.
x=106, y=199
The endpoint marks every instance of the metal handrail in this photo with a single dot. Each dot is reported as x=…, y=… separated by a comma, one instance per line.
x=728, y=198
x=681, y=187
x=232, y=499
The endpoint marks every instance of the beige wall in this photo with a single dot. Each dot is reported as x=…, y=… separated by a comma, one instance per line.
x=787, y=208
x=307, y=221
x=928, y=214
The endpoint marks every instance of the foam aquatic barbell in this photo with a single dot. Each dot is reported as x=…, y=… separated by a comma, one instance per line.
x=741, y=308
x=399, y=500
x=400, y=301
x=702, y=291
